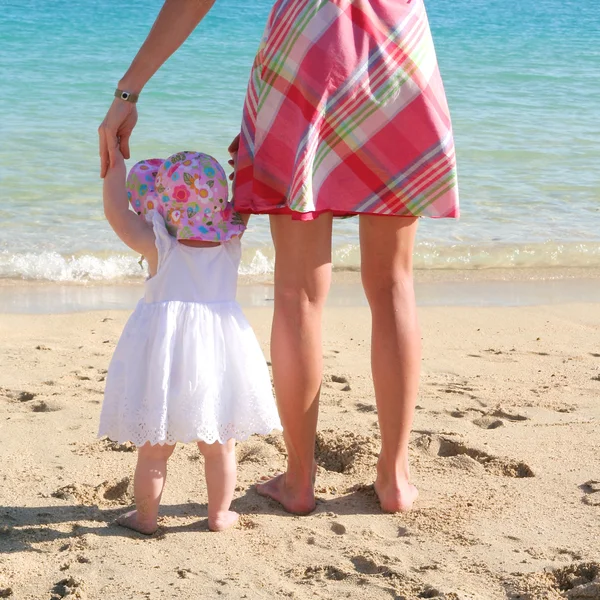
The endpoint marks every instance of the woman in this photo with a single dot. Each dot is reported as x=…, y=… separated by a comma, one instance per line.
x=345, y=115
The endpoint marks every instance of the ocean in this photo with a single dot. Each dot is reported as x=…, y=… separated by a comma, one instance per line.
x=522, y=80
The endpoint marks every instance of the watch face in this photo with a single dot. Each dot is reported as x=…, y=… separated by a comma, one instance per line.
x=124, y=95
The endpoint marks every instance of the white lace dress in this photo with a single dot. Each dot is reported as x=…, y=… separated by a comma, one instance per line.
x=188, y=366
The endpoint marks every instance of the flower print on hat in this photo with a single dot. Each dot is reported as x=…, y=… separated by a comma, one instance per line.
x=181, y=193
x=189, y=189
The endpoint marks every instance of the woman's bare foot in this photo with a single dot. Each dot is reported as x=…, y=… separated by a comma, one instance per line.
x=222, y=520
x=396, y=498
x=131, y=520
x=298, y=502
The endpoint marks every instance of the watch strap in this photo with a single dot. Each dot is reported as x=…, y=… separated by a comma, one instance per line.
x=126, y=96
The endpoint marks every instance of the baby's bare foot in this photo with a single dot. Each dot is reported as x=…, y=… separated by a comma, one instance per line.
x=131, y=520
x=222, y=520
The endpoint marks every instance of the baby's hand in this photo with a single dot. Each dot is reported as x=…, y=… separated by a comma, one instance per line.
x=118, y=170
x=118, y=155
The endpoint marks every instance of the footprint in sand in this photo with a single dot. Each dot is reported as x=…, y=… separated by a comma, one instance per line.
x=23, y=396
x=67, y=588
x=445, y=447
x=118, y=492
x=44, y=407
x=337, y=382
x=501, y=413
x=321, y=572
x=578, y=581
x=591, y=490
x=374, y=565
x=41, y=406
x=483, y=420
x=461, y=388
x=338, y=528
x=404, y=532
x=184, y=573
x=117, y=447
x=499, y=355
x=366, y=408
x=255, y=452
x=567, y=555
x=276, y=440
x=487, y=420
x=344, y=451
x=434, y=593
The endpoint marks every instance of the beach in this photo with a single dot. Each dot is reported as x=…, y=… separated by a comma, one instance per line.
x=504, y=452
x=505, y=446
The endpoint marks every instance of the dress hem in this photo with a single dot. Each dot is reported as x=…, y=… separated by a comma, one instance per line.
x=237, y=436
x=314, y=214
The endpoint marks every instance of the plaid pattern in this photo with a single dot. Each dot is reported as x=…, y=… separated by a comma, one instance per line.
x=346, y=112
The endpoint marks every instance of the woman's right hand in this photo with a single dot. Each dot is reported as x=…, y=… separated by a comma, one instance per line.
x=114, y=132
x=233, y=150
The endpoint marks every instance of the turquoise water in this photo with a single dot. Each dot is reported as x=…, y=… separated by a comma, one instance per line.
x=522, y=82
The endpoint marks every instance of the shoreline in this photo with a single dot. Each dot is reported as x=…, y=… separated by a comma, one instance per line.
x=485, y=287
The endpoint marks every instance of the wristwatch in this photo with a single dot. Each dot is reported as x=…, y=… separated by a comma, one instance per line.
x=126, y=96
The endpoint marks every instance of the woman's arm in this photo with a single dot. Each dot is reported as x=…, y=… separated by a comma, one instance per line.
x=176, y=20
x=131, y=228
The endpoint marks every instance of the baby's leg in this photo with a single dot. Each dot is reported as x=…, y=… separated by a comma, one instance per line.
x=220, y=473
x=148, y=484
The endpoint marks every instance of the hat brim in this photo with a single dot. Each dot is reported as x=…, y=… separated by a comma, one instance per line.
x=222, y=226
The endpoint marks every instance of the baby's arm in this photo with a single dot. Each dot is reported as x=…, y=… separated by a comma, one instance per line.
x=131, y=228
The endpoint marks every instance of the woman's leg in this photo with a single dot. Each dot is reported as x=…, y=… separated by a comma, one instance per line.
x=302, y=279
x=220, y=473
x=386, y=258
x=148, y=485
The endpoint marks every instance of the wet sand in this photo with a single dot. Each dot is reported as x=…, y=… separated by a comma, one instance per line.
x=492, y=287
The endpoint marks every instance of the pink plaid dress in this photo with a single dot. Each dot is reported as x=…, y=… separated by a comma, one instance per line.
x=346, y=112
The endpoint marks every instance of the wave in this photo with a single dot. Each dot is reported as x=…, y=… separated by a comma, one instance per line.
x=51, y=266
x=258, y=262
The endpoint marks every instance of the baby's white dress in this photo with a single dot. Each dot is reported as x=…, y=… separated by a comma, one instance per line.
x=188, y=366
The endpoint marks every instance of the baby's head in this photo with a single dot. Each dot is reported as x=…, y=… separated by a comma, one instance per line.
x=189, y=190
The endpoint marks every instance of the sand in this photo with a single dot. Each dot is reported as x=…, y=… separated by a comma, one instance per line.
x=505, y=452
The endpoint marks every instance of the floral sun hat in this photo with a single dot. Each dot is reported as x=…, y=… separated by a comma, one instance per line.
x=189, y=190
